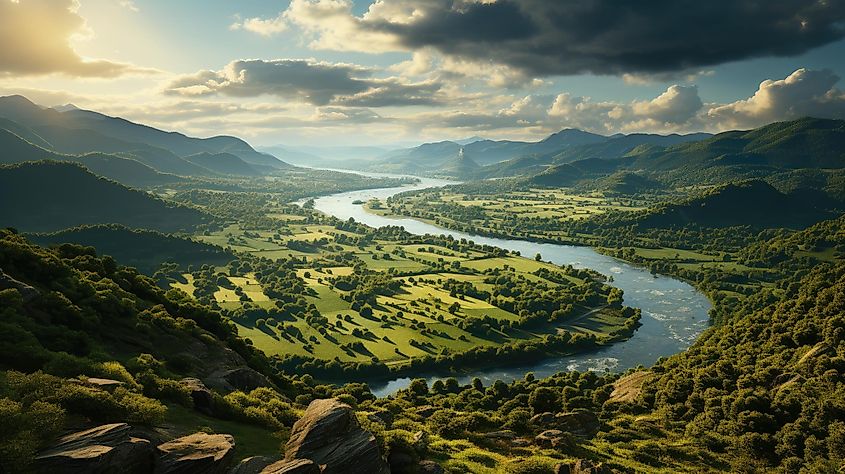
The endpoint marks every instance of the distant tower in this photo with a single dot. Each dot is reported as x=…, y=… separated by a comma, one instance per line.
x=461, y=152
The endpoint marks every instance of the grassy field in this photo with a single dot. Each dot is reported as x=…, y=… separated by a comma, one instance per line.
x=421, y=318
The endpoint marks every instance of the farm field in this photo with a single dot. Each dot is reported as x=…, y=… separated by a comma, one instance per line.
x=364, y=297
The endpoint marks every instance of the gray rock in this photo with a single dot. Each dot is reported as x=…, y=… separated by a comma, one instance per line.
x=296, y=466
x=103, y=449
x=27, y=292
x=241, y=378
x=251, y=465
x=579, y=422
x=200, y=395
x=198, y=453
x=329, y=434
x=556, y=439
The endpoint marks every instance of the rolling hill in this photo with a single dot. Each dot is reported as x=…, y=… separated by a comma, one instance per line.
x=223, y=163
x=14, y=149
x=80, y=131
x=753, y=202
x=51, y=196
x=142, y=249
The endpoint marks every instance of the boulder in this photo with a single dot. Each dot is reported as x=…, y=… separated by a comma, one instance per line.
x=102, y=384
x=579, y=422
x=329, y=434
x=196, y=453
x=103, y=449
x=27, y=292
x=383, y=416
x=251, y=465
x=296, y=466
x=200, y=395
x=555, y=439
x=241, y=378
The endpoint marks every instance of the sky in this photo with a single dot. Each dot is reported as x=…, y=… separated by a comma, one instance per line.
x=387, y=72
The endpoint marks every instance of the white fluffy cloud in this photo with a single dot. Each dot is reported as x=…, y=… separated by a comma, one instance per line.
x=803, y=93
x=262, y=26
x=35, y=37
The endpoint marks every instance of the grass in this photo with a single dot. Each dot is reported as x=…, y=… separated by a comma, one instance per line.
x=250, y=440
x=412, y=323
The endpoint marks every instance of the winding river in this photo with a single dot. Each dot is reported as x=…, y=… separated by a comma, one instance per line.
x=674, y=313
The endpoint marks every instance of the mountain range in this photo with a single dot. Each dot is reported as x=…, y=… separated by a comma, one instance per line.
x=73, y=131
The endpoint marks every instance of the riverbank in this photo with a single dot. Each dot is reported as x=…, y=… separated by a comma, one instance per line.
x=673, y=312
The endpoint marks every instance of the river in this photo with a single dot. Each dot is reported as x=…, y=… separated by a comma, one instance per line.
x=673, y=312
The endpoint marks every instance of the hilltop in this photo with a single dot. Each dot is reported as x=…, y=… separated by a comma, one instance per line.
x=46, y=196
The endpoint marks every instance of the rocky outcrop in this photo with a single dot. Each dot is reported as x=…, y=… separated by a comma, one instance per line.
x=555, y=439
x=103, y=449
x=27, y=292
x=240, y=378
x=102, y=384
x=296, y=466
x=329, y=434
x=199, y=453
x=251, y=465
x=200, y=395
x=580, y=422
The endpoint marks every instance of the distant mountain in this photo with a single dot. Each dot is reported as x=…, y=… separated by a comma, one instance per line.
x=804, y=154
x=14, y=149
x=467, y=141
x=621, y=145
x=627, y=183
x=513, y=158
x=143, y=249
x=753, y=202
x=125, y=171
x=803, y=143
x=47, y=196
x=461, y=165
x=80, y=131
x=223, y=163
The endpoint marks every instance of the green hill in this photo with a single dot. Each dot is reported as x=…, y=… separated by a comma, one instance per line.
x=14, y=149
x=143, y=249
x=629, y=183
x=82, y=131
x=223, y=163
x=803, y=143
x=125, y=171
x=753, y=202
x=48, y=196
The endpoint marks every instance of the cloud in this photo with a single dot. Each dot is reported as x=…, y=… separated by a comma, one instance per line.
x=35, y=37
x=542, y=37
x=317, y=83
x=803, y=93
x=264, y=27
x=129, y=5
x=333, y=26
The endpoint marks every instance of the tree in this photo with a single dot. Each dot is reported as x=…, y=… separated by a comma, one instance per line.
x=544, y=399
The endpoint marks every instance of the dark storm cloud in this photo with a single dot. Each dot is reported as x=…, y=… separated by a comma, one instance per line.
x=317, y=83
x=546, y=37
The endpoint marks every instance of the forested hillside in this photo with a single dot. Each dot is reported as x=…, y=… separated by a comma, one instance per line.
x=48, y=196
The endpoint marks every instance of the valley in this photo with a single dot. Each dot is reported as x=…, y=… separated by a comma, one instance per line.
x=194, y=287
